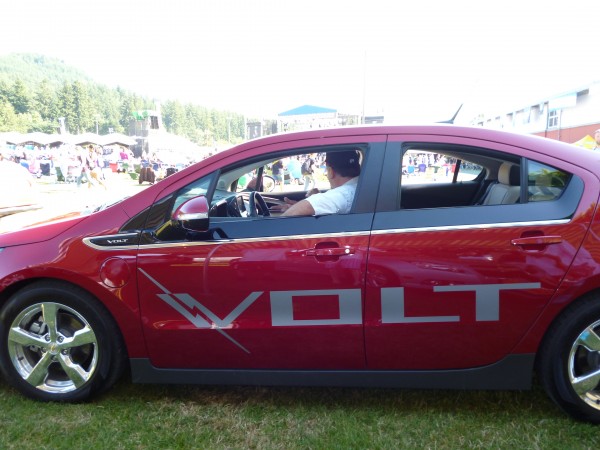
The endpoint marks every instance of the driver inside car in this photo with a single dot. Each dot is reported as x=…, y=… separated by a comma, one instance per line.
x=342, y=170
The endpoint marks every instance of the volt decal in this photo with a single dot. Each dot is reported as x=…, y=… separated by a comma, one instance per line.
x=185, y=304
x=349, y=311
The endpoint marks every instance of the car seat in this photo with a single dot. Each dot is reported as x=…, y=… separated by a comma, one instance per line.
x=507, y=190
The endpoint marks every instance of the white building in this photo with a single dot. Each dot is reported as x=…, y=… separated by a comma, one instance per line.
x=566, y=116
x=309, y=117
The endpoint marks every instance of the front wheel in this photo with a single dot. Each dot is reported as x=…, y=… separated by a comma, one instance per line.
x=58, y=343
x=569, y=363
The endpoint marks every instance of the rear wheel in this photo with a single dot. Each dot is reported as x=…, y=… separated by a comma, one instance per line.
x=569, y=364
x=58, y=343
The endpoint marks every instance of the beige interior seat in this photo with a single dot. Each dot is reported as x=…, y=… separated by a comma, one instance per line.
x=507, y=190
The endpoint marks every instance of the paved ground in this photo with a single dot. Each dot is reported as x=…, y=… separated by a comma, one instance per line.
x=61, y=198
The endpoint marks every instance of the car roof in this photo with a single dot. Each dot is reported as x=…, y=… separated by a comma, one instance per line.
x=556, y=149
x=562, y=151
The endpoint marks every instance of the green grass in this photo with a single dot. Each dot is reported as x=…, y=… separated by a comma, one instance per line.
x=150, y=417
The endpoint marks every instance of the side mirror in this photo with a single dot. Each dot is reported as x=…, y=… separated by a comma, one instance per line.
x=192, y=215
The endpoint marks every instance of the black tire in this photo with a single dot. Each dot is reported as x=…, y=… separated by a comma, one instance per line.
x=58, y=343
x=569, y=360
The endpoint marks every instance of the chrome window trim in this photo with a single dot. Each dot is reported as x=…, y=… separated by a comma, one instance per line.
x=88, y=241
x=472, y=226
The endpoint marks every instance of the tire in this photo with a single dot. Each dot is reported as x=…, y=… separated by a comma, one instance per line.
x=569, y=361
x=58, y=343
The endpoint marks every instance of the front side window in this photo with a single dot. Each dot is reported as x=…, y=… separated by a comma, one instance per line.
x=250, y=190
x=282, y=180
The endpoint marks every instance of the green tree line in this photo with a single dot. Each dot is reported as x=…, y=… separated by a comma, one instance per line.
x=35, y=92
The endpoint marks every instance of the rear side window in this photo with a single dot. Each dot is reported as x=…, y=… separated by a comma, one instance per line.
x=545, y=183
x=420, y=166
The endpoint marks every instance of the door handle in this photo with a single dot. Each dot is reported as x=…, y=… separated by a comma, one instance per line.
x=330, y=251
x=536, y=242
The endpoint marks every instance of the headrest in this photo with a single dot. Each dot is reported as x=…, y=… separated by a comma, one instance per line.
x=509, y=174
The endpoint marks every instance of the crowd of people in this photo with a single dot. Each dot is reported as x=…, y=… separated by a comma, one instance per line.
x=90, y=164
x=415, y=163
x=298, y=170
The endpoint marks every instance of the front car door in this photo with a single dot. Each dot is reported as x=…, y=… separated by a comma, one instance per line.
x=264, y=292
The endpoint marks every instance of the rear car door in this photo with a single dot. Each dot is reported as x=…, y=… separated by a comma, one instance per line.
x=267, y=293
x=451, y=286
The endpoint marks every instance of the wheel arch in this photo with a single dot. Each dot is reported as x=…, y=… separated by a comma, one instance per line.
x=128, y=327
x=559, y=317
x=569, y=378
x=89, y=374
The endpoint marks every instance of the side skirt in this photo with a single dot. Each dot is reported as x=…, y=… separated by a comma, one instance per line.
x=511, y=373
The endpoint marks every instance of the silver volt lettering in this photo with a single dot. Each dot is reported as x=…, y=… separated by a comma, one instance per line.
x=392, y=309
x=117, y=241
x=487, y=302
x=349, y=302
x=487, y=297
x=185, y=304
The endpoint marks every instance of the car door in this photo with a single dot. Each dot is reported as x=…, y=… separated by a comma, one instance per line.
x=458, y=286
x=267, y=293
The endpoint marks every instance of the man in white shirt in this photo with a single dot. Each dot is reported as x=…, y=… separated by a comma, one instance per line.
x=343, y=169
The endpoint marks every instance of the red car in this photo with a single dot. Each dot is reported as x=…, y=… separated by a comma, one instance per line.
x=473, y=271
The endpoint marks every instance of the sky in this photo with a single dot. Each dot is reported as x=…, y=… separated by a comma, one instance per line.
x=411, y=61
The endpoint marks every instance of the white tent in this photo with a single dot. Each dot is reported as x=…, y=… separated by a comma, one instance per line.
x=118, y=138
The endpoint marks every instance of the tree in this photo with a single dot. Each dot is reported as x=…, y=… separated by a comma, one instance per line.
x=84, y=115
x=108, y=104
x=219, y=119
x=4, y=90
x=19, y=97
x=174, y=117
x=46, y=105
x=66, y=102
x=9, y=119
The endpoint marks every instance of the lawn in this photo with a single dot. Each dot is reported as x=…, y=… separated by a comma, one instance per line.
x=148, y=416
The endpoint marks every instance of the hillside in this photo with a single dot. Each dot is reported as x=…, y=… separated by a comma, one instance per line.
x=36, y=91
x=32, y=69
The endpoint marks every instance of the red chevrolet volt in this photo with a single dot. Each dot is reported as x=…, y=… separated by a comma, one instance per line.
x=468, y=259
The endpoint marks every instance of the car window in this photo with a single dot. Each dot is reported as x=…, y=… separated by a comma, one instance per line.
x=432, y=167
x=276, y=177
x=450, y=176
x=275, y=174
x=195, y=189
x=280, y=179
x=438, y=176
x=545, y=183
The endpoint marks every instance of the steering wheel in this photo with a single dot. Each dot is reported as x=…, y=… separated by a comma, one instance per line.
x=257, y=205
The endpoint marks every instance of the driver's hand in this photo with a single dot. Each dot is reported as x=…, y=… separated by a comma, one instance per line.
x=284, y=206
